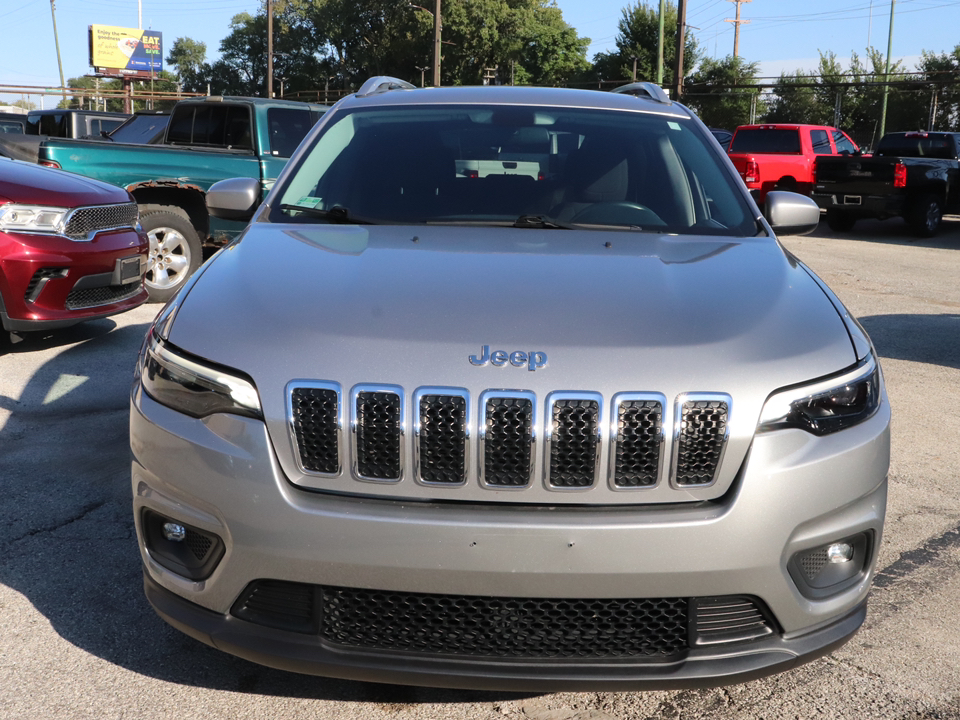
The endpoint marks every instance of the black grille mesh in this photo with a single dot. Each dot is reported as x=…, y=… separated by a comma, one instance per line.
x=812, y=563
x=86, y=220
x=315, y=425
x=279, y=604
x=639, y=429
x=702, y=434
x=378, y=435
x=730, y=619
x=92, y=297
x=443, y=428
x=574, y=448
x=509, y=429
x=42, y=274
x=504, y=627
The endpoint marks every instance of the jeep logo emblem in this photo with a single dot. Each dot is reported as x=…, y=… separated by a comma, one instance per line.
x=534, y=360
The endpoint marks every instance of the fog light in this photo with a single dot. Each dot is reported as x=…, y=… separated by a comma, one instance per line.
x=840, y=552
x=176, y=532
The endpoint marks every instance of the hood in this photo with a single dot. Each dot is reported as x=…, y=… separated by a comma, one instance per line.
x=602, y=312
x=37, y=185
x=331, y=299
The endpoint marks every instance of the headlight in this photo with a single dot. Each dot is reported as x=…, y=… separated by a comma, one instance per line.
x=32, y=218
x=193, y=388
x=828, y=405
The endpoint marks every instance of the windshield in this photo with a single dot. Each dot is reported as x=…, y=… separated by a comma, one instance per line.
x=517, y=166
x=143, y=129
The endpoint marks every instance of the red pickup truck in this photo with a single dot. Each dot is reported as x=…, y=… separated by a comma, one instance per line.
x=782, y=157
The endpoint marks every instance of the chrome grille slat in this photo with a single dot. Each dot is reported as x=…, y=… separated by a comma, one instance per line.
x=636, y=445
x=441, y=436
x=378, y=433
x=700, y=437
x=507, y=439
x=573, y=440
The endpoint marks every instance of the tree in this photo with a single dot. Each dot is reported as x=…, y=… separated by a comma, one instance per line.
x=188, y=57
x=724, y=92
x=942, y=71
x=795, y=101
x=639, y=32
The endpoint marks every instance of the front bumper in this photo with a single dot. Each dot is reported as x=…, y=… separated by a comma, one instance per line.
x=50, y=281
x=795, y=492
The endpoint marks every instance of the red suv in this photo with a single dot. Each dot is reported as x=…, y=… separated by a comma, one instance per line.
x=71, y=248
x=782, y=156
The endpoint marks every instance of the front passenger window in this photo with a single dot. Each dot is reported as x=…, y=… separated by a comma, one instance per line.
x=821, y=142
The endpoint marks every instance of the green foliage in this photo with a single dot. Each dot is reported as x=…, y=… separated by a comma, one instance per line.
x=943, y=72
x=724, y=92
x=109, y=93
x=639, y=33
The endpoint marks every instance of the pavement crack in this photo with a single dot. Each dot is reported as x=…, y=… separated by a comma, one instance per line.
x=76, y=517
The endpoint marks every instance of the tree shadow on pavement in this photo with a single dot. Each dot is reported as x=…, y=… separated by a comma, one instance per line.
x=931, y=339
x=67, y=539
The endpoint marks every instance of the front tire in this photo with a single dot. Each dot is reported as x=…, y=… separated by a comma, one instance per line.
x=926, y=215
x=840, y=221
x=175, y=250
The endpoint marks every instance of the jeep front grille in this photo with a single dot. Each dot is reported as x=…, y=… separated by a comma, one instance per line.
x=579, y=430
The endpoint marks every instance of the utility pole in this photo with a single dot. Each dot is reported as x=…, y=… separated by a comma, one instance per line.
x=660, y=45
x=681, y=37
x=737, y=23
x=56, y=40
x=634, y=68
x=269, y=48
x=437, y=25
x=886, y=75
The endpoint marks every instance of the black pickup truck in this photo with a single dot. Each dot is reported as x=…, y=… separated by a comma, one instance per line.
x=913, y=175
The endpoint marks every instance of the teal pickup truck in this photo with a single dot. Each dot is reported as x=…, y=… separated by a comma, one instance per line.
x=207, y=139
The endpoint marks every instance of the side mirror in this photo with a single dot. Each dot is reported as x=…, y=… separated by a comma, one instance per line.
x=790, y=213
x=234, y=199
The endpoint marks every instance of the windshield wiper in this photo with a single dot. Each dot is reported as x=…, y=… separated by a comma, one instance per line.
x=538, y=221
x=336, y=214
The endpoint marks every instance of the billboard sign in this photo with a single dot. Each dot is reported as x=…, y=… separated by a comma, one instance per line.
x=126, y=51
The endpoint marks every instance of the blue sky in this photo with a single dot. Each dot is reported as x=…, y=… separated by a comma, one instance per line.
x=781, y=34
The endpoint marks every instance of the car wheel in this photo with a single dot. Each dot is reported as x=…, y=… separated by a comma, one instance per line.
x=926, y=214
x=175, y=250
x=840, y=221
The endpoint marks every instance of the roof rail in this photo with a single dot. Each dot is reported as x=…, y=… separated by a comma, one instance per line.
x=382, y=84
x=644, y=89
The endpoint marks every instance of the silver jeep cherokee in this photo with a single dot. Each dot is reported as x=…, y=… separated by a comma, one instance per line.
x=510, y=388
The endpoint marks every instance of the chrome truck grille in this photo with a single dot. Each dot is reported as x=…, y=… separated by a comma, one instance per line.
x=500, y=435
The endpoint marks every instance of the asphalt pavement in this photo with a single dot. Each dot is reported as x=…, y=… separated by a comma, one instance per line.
x=78, y=639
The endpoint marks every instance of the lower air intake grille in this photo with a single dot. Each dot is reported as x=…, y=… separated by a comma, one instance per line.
x=378, y=435
x=639, y=431
x=703, y=433
x=92, y=297
x=730, y=619
x=507, y=447
x=316, y=426
x=504, y=627
x=442, y=443
x=278, y=604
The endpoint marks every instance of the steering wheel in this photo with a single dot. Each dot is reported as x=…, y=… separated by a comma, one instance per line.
x=618, y=213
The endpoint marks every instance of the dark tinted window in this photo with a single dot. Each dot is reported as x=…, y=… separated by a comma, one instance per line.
x=96, y=126
x=11, y=126
x=821, y=142
x=288, y=126
x=758, y=140
x=141, y=129
x=53, y=124
x=464, y=164
x=917, y=145
x=212, y=125
x=844, y=145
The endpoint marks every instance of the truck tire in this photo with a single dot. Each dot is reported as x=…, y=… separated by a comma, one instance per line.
x=840, y=221
x=925, y=214
x=175, y=250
